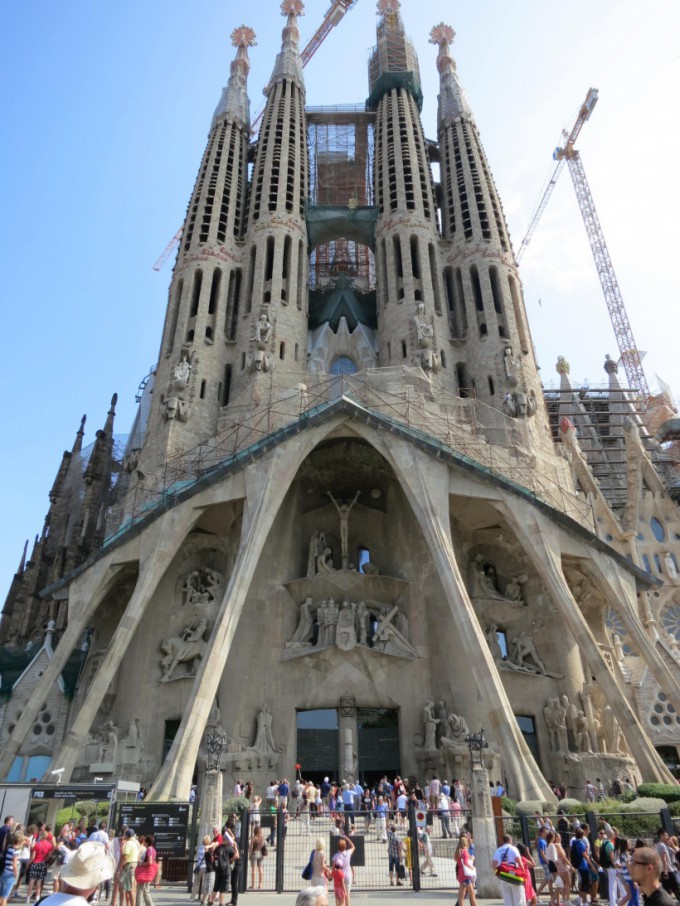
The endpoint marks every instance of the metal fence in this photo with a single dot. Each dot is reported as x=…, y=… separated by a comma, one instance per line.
x=292, y=837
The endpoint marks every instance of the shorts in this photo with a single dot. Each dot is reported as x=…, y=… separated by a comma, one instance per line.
x=127, y=877
x=395, y=861
x=208, y=883
x=547, y=871
x=221, y=882
x=585, y=881
x=552, y=868
x=37, y=871
x=7, y=883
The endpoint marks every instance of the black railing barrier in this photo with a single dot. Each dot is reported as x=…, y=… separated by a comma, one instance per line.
x=415, y=851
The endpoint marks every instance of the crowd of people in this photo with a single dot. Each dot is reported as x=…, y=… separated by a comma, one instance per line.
x=38, y=858
x=572, y=869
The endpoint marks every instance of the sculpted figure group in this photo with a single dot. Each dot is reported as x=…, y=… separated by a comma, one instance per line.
x=576, y=731
x=347, y=624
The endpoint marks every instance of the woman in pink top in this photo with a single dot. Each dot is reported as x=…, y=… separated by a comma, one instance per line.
x=465, y=871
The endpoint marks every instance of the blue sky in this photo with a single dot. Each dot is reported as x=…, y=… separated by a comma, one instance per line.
x=106, y=109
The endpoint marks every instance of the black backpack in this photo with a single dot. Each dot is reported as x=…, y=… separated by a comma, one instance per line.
x=606, y=851
x=223, y=854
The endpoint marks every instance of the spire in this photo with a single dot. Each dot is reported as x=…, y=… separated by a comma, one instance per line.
x=22, y=564
x=78, y=443
x=108, y=427
x=393, y=62
x=288, y=63
x=234, y=104
x=452, y=100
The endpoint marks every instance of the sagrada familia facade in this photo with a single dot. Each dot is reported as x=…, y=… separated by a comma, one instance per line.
x=349, y=526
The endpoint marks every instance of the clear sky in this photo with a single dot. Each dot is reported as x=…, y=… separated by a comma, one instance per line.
x=106, y=109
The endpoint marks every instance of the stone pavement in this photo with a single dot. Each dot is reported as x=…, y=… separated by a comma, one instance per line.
x=177, y=896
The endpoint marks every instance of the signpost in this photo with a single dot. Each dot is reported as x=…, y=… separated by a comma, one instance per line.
x=168, y=821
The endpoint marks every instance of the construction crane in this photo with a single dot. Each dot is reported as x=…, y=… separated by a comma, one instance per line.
x=630, y=356
x=333, y=15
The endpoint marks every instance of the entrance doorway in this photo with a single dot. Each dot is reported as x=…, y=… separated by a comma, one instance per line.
x=378, y=743
x=335, y=743
x=317, y=744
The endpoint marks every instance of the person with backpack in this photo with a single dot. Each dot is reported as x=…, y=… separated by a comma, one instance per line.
x=579, y=856
x=222, y=862
x=607, y=864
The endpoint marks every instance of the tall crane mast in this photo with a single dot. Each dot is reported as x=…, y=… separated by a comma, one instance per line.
x=630, y=356
x=333, y=15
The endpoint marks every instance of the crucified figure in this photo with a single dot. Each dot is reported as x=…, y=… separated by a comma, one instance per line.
x=343, y=512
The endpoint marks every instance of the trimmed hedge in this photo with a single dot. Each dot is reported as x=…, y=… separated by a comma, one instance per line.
x=666, y=791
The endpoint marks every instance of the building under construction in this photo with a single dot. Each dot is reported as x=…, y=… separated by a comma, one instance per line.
x=347, y=494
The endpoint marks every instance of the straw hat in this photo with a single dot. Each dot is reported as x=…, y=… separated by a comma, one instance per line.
x=89, y=866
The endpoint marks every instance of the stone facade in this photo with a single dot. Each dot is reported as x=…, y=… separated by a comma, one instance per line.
x=371, y=514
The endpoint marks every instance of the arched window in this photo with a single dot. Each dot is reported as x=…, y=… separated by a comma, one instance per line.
x=343, y=365
x=657, y=529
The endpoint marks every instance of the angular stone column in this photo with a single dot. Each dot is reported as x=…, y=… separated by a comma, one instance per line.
x=266, y=486
x=84, y=600
x=429, y=499
x=159, y=544
x=540, y=542
x=621, y=596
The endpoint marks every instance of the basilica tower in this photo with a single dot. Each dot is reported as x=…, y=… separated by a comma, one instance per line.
x=198, y=345
x=413, y=328
x=494, y=358
x=271, y=335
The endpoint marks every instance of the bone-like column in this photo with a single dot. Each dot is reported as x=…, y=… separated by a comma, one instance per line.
x=429, y=499
x=158, y=546
x=540, y=541
x=85, y=597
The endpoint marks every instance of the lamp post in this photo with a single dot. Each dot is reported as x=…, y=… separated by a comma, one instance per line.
x=476, y=744
x=215, y=743
x=482, y=814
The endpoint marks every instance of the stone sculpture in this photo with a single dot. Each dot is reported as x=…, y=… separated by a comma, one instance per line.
x=305, y=627
x=343, y=512
x=133, y=740
x=523, y=653
x=483, y=583
x=519, y=404
x=383, y=629
x=107, y=738
x=317, y=545
x=426, y=357
x=186, y=648
x=200, y=586
x=259, y=356
x=430, y=722
x=176, y=404
x=556, y=720
x=264, y=738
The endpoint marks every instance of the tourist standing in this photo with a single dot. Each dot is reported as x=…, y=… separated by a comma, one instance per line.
x=466, y=873
x=513, y=894
x=319, y=867
x=645, y=870
x=199, y=869
x=129, y=859
x=257, y=852
x=342, y=859
x=146, y=872
x=394, y=853
x=37, y=870
x=10, y=864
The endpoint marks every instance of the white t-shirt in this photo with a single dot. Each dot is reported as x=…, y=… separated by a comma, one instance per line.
x=65, y=899
x=507, y=853
x=101, y=836
x=402, y=801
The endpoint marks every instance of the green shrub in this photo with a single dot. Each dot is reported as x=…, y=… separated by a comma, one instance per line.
x=666, y=791
x=530, y=806
x=571, y=807
x=644, y=804
x=234, y=804
x=508, y=805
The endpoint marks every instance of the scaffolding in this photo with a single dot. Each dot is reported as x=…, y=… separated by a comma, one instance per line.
x=399, y=400
x=340, y=141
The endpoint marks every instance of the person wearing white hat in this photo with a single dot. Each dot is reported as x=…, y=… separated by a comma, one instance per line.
x=89, y=867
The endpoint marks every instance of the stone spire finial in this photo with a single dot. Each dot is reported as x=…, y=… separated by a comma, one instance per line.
x=452, y=100
x=288, y=63
x=108, y=427
x=78, y=443
x=234, y=104
x=610, y=366
x=22, y=564
x=388, y=7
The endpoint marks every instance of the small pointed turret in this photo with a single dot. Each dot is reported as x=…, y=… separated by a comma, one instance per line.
x=22, y=563
x=452, y=100
x=288, y=63
x=234, y=104
x=78, y=444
